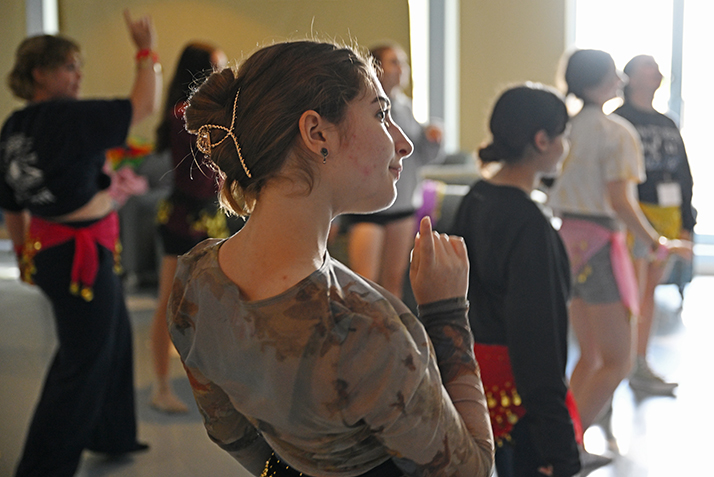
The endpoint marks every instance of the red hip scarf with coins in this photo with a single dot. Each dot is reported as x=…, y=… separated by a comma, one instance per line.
x=44, y=234
x=505, y=407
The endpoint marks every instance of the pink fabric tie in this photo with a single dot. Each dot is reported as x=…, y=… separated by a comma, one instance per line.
x=584, y=238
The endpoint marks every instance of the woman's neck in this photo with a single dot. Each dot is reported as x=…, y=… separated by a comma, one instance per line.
x=520, y=175
x=283, y=241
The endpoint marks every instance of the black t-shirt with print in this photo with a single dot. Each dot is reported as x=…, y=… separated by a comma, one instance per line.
x=52, y=153
x=665, y=158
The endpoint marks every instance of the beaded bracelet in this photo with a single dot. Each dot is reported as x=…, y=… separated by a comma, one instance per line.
x=146, y=58
x=145, y=53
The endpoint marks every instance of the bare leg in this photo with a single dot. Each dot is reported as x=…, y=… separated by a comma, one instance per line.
x=163, y=397
x=605, y=334
x=649, y=276
x=589, y=360
x=398, y=241
x=643, y=379
x=364, y=249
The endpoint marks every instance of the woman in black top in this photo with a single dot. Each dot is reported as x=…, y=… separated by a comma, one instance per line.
x=519, y=285
x=61, y=220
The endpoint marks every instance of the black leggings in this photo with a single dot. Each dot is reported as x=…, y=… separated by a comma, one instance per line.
x=87, y=401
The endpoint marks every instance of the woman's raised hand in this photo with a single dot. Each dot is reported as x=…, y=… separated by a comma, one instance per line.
x=439, y=267
x=141, y=31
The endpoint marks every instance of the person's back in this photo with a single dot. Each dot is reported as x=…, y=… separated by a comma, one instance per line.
x=65, y=231
x=292, y=357
x=602, y=149
x=323, y=387
x=519, y=285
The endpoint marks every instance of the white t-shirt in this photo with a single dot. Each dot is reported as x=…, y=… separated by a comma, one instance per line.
x=603, y=149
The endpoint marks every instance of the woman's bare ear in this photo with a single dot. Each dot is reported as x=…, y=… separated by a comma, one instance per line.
x=313, y=130
x=38, y=76
x=541, y=140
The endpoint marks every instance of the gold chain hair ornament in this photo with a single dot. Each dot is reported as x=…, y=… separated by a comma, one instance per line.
x=203, y=141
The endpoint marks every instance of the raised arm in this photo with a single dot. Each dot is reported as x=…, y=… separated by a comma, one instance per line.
x=145, y=94
x=439, y=276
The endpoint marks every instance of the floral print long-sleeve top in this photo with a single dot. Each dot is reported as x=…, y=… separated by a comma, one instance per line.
x=332, y=375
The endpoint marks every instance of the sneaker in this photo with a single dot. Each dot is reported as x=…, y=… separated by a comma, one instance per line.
x=590, y=462
x=643, y=379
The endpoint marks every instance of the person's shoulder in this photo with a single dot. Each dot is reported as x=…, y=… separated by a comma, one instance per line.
x=493, y=211
x=352, y=296
x=667, y=119
x=588, y=122
x=507, y=197
x=75, y=110
x=203, y=255
x=364, y=307
x=618, y=125
x=102, y=104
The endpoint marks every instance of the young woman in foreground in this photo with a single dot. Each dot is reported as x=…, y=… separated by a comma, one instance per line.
x=295, y=361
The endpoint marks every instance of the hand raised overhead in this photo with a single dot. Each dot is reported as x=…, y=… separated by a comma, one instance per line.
x=141, y=31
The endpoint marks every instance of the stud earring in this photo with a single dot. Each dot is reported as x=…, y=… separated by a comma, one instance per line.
x=324, y=153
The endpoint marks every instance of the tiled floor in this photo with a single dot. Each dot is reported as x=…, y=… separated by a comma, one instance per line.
x=657, y=436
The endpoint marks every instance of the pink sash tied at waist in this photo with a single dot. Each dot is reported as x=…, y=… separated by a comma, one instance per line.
x=584, y=238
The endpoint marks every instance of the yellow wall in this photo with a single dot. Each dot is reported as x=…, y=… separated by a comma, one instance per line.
x=12, y=31
x=504, y=42
x=238, y=26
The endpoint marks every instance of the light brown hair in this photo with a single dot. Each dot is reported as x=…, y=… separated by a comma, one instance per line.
x=41, y=51
x=277, y=85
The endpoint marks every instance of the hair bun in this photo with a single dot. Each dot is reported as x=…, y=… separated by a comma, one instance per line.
x=490, y=153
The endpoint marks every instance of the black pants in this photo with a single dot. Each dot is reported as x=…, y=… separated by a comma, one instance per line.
x=87, y=401
x=518, y=458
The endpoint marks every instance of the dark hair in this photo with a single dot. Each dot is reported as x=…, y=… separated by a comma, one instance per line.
x=518, y=115
x=277, y=85
x=586, y=68
x=193, y=67
x=41, y=51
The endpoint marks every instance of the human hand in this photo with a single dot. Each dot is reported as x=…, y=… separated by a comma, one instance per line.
x=439, y=266
x=141, y=31
x=546, y=470
x=683, y=248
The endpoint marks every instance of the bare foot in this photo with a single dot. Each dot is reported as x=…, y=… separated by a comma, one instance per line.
x=167, y=402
